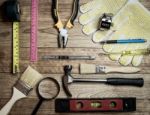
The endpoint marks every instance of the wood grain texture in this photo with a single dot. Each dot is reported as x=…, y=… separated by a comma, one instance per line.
x=79, y=44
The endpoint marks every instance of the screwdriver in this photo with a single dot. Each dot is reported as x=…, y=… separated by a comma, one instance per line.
x=123, y=41
x=131, y=52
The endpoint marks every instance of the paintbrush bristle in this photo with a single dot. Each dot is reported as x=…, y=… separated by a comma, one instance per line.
x=31, y=77
x=87, y=68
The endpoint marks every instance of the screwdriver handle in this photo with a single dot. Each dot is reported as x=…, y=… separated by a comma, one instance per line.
x=126, y=81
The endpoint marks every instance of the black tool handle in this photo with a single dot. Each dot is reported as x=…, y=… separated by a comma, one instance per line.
x=54, y=10
x=75, y=10
x=126, y=81
x=37, y=107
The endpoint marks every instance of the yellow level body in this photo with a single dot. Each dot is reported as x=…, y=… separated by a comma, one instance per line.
x=15, y=47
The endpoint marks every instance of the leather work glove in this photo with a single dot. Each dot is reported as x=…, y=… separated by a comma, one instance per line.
x=131, y=22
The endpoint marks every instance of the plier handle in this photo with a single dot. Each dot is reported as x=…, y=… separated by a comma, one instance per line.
x=63, y=32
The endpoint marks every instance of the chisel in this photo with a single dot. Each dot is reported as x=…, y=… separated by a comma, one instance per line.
x=92, y=69
x=65, y=57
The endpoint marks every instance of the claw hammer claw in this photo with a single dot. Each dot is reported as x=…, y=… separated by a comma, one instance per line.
x=67, y=70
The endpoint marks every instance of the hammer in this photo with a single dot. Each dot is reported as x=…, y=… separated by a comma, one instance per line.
x=68, y=79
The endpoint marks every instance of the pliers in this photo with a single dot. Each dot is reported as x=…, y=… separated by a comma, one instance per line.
x=63, y=30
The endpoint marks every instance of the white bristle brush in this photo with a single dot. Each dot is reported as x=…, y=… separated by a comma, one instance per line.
x=21, y=89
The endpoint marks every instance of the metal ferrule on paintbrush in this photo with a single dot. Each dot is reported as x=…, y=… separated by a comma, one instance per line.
x=24, y=88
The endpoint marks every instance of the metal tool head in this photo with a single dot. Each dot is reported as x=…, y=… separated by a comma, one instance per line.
x=63, y=38
x=67, y=78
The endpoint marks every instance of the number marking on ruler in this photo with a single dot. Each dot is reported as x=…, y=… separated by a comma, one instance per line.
x=15, y=47
x=34, y=26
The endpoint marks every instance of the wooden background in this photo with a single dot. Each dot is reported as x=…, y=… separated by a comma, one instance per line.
x=78, y=44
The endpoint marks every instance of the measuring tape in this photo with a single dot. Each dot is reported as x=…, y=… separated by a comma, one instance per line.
x=11, y=12
x=34, y=27
x=15, y=47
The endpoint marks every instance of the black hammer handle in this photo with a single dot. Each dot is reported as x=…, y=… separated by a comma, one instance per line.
x=126, y=81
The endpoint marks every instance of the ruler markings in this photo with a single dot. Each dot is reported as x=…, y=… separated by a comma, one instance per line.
x=34, y=27
x=15, y=47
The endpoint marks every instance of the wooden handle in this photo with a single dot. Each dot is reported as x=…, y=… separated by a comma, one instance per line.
x=92, y=68
x=122, y=69
x=16, y=96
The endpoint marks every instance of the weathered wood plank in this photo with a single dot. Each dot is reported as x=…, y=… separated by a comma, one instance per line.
x=86, y=90
x=55, y=66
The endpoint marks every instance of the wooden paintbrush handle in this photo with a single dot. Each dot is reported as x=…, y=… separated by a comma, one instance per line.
x=16, y=96
x=92, y=68
x=122, y=69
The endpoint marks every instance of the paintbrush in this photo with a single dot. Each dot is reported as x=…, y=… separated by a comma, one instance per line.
x=22, y=88
x=92, y=68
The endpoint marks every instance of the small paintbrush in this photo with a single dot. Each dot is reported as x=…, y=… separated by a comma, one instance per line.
x=92, y=69
x=22, y=88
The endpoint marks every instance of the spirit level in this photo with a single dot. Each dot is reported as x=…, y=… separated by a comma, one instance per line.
x=96, y=105
x=34, y=26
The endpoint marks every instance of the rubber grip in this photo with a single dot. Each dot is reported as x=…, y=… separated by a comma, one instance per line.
x=54, y=10
x=126, y=81
x=74, y=11
x=11, y=11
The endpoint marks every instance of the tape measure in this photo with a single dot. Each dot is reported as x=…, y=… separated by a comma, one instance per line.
x=34, y=27
x=15, y=47
x=11, y=12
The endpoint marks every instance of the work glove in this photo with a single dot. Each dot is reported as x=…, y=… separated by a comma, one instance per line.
x=132, y=21
x=93, y=10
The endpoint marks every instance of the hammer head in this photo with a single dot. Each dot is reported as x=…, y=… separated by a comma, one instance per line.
x=66, y=79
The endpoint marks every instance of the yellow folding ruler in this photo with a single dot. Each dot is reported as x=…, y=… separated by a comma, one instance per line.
x=15, y=47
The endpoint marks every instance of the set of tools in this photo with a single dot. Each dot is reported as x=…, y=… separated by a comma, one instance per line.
x=48, y=88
